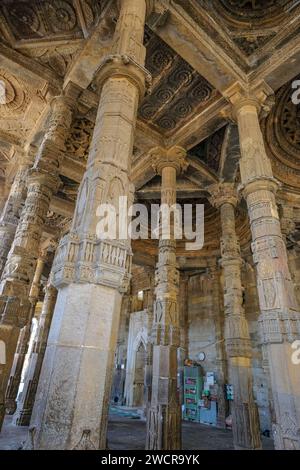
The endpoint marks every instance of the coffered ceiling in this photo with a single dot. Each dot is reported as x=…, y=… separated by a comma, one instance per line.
x=195, y=50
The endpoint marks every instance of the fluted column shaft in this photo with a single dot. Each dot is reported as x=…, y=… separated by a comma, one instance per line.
x=92, y=273
x=164, y=414
x=43, y=181
x=279, y=320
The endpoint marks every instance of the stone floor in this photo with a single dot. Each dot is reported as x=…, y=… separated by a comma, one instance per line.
x=128, y=433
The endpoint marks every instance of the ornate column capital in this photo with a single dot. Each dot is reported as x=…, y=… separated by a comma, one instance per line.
x=223, y=193
x=174, y=157
x=124, y=66
x=261, y=96
x=128, y=53
x=263, y=183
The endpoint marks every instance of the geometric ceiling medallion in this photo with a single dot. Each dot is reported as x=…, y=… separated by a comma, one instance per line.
x=290, y=122
x=247, y=10
x=14, y=100
x=282, y=136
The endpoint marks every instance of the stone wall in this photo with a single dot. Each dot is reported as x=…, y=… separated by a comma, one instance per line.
x=202, y=332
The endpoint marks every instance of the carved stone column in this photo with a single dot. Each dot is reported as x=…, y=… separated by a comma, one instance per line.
x=119, y=374
x=92, y=273
x=12, y=210
x=184, y=329
x=221, y=362
x=43, y=181
x=245, y=419
x=23, y=342
x=279, y=319
x=164, y=415
x=27, y=398
x=149, y=347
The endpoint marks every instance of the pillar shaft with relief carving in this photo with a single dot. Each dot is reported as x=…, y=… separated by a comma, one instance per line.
x=92, y=273
x=12, y=209
x=245, y=419
x=43, y=181
x=279, y=319
x=164, y=414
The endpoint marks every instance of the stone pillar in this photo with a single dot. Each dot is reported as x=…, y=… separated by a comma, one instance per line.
x=12, y=209
x=279, y=320
x=184, y=330
x=164, y=415
x=90, y=272
x=121, y=353
x=149, y=347
x=43, y=181
x=245, y=419
x=23, y=343
x=27, y=398
x=221, y=362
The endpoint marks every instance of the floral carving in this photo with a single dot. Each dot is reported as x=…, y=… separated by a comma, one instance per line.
x=79, y=141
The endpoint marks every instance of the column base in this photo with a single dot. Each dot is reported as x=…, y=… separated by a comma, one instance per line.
x=72, y=399
x=285, y=385
x=245, y=417
x=164, y=427
x=245, y=426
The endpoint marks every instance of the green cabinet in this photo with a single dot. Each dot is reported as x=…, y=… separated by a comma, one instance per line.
x=192, y=390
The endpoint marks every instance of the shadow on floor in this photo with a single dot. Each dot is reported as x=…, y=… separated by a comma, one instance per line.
x=129, y=433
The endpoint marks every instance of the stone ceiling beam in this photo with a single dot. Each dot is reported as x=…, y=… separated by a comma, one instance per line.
x=195, y=46
x=71, y=169
x=282, y=67
x=208, y=121
x=88, y=60
x=142, y=171
x=62, y=206
x=185, y=189
x=14, y=61
x=201, y=174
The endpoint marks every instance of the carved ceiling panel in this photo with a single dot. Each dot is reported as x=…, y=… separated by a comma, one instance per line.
x=248, y=30
x=178, y=91
x=57, y=58
x=254, y=23
x=21, y=105
x=247, y=10
x=40, y=19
